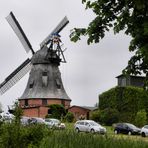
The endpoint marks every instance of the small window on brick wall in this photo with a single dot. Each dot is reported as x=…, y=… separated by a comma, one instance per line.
x=44, y=102
x=26, y=102
x=63, y=102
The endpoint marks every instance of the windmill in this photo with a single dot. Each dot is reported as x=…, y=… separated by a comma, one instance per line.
x=44, y=84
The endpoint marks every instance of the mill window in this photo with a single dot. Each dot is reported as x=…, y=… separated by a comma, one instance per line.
x=63, y=102
x=31, y=84
x=58, y=83
x=45, y=78
x=44, y=102
x=26, y=102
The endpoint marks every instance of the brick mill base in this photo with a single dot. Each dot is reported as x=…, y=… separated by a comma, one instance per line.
x=40, y=107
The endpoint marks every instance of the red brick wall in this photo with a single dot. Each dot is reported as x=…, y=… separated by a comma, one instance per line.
x=39, y=110
x=43, y=112
x=49, y=102
x=21, y=102
x=31, y=112
x=67, y=104
x=53, y=102
x=31, y=102
x=36, y=112
x=79, y=112
x=35, y=102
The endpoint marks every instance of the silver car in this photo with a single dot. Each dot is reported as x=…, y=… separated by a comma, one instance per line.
x=54, y=123
x=144, y=131
x=36, y=120
x=31, y=120
x=89, y=126
x=24, y=120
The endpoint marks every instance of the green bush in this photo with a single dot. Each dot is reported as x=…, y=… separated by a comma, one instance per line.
x=109, y=116
x=127, y=100
x=56, y=111
x=13, y=135
x=95, y=115
x=141, y=118
x=69, y=117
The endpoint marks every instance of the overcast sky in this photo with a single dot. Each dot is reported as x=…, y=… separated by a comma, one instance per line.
x=89, y=71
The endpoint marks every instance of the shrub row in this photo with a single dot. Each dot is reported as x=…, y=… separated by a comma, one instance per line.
x=124, y=102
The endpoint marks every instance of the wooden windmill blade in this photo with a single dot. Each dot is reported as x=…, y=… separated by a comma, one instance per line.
x=19, y=32
x=59, y=27
x=15, y=76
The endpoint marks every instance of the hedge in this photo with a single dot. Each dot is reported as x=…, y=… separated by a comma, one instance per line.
x=127, y=100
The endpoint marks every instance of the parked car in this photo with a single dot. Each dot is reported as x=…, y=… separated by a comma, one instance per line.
x=31, y=120
x=126, y=128
x=36, y=120
x=54, y=123
x=89, y=126
x=25, y=120
x=144, y=131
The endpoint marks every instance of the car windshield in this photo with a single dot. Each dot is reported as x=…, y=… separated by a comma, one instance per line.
x=94, y=123
x=131, y=125
x=40, y=120
x=146, y=126
x=55, y=121
x=52, y=120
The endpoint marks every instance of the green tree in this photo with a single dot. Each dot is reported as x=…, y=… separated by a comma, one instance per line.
x=95, y=115
x=128, y=15
x=127, y=100
x=57, y=111
x=141, y=118
x=108, y=116
x=69, y=117
x=17, y=112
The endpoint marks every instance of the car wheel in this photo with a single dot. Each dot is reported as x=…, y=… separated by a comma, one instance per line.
x=92, y=131
x=77, y=130
x=143, y=134
x=129, y=133
x=116, y=132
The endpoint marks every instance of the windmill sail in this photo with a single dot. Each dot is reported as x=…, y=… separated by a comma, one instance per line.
x=59, y=27
x=15, y=76
x=19, y=32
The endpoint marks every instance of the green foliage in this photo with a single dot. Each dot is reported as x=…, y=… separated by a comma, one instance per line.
x=57, y=111
x=18, y=112
x=95, y=115
x=69, y=117
x=109, y=116
x=16, y=136
x=127, y=100
x=128, y=15
x=141, y=118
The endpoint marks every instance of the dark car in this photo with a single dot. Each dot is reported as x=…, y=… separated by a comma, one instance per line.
x=126, y=128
